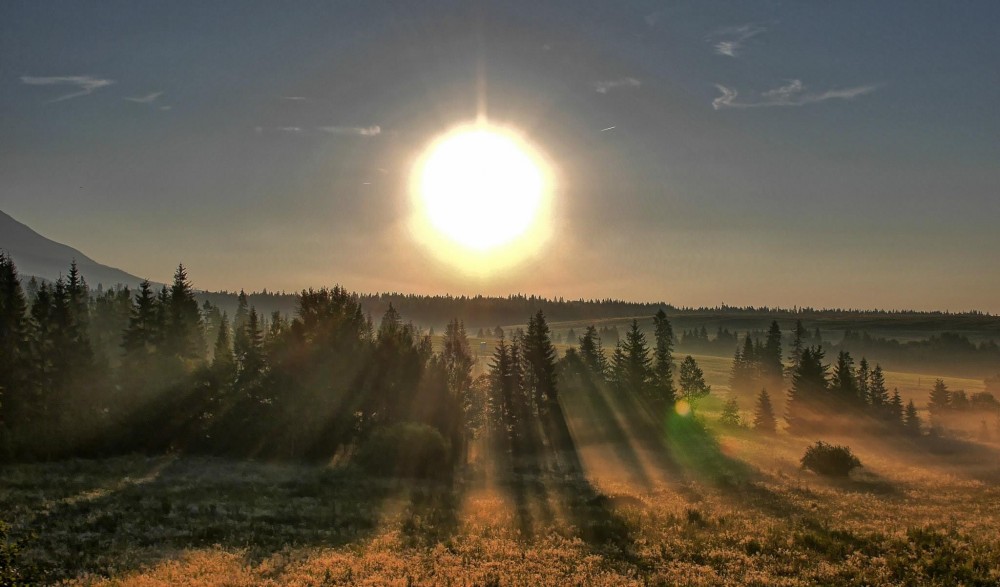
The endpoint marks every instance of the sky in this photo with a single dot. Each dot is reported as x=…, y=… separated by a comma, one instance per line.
x=744, y=153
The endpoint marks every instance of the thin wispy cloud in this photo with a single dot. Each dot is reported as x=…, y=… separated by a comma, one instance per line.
x=294, y=98
x=604, y=87
x=353, y=131
x=147, y=99
x=730, y=40
x=359, y=131
x=84, y=84
x=792, y=94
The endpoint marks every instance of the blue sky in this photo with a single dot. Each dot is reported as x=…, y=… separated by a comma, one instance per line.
x=782, y=153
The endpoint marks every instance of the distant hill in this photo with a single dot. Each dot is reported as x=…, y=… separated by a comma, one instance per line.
x=42, y=257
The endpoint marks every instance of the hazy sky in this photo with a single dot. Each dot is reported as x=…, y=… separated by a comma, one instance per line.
x=783, y=153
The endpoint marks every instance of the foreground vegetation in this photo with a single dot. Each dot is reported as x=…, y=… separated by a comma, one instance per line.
x=741, y=512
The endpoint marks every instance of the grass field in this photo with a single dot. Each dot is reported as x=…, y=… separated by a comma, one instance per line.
x=740, y=512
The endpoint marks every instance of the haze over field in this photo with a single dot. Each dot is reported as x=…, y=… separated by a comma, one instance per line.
x=499, y=293
x=702, y=152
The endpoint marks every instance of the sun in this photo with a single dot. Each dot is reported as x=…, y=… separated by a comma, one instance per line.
x=481, y=194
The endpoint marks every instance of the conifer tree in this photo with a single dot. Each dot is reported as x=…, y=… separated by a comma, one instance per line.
x=591, y=352
x=663, y=364
x=692, y=380
x=141, y=335
x=940, y=399
x=844, y=383
x=540, y=358
x=743, y=375
x=457, y=356
x=638, y=365
x=619, y=367
x=877, y=391
x=253, y=362
x=770, y=359
x=764, y=420
x=15, y=362
x=798, y=344
x=183, y=327
x=730, y=413
x=895, y=408
x=223, y=363
x=808, y=391
x=240, y=318
x=911, y=420
x=863, y=379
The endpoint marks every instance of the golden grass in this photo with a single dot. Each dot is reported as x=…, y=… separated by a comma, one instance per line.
x=909, y=516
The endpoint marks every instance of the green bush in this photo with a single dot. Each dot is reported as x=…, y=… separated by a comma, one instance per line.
x=827, y=459
x=408, y=449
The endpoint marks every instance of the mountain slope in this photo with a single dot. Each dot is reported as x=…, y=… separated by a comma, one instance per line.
x=42, y=257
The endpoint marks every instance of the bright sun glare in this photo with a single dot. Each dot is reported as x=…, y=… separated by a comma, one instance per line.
x=480, y=193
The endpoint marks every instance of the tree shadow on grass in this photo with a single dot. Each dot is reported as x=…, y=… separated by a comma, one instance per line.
x=196, y=503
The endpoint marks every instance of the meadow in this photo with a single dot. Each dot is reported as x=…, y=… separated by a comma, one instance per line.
x=728, y=507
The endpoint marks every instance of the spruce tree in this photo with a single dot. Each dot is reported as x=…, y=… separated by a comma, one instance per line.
x=457, y=356
x=807, y=395
x=844, y=383
x=591, y=352
x=877, y=391
x=798, y=344
x=764, y=420
x=663, y=363
x=253, y=362
x=895, y=408
x=15, y=361
x=745, y=367
x=223, y=363
x=540, y=358
x=240, y=318
x=730, y=413
x=862, y=382
x=770, y=360
x=619, y=367
x=183, y=327
x=140, y=337
x=911, y=420
x=940, y=399
x=638, y=365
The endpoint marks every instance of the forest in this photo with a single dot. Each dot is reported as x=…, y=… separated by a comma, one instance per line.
x=108, y=375
x=95, y=373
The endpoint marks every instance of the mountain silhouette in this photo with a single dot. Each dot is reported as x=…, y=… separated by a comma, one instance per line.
x=36, y=255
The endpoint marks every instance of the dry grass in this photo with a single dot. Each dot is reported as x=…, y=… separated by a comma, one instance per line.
x=741, y=513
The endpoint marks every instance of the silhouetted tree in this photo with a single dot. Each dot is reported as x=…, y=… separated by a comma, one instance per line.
x=664, y=393
x=771, y=367
x=591, y=352
x=911, y=419
x=877, y=392
x=692, y=380
x=636, y=373
x=764, y=420
x=540, y=358
x=183, y=327
x=895, y=408
x=17, y=403
x=940, y=399
x=844, y=382
x=798, y=344
x=807, y=397
x=862, y=381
